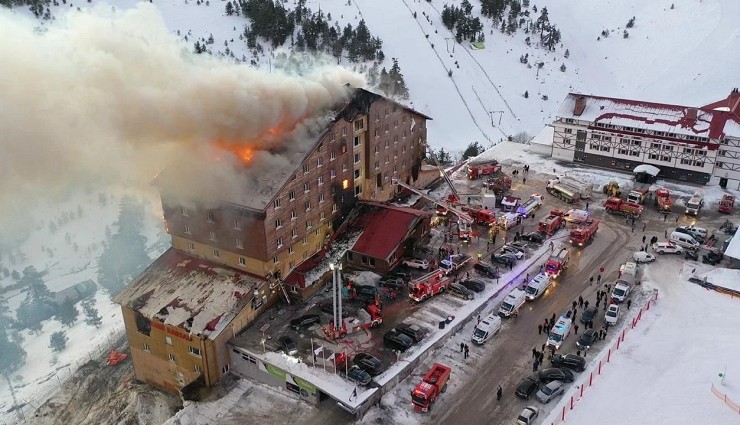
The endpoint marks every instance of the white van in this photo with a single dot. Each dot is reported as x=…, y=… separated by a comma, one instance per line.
x=512, y=302
x=699, y=233
x=576, y=216
x=537, y=286
x=684, y=240
x=487, y=328
x=509, y=220
x=620, y=292
x=559, y=332
x=629, y=268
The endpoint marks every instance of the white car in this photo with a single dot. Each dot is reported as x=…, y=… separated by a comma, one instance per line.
x=528, y=415
x=576, y=216
x=508, y=249
x=667, y=248
x=612, y=314
x=416, y=263
x=643, y=257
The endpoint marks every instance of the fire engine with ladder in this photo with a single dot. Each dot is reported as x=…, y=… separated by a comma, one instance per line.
x=368, y=318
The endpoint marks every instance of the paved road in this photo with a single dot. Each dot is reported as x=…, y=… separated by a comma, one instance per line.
x=508, y=357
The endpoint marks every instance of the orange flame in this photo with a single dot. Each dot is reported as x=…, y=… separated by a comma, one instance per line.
x=244, y=150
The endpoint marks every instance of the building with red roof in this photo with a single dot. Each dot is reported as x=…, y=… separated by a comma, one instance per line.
x=388, y=232
x=686, y=143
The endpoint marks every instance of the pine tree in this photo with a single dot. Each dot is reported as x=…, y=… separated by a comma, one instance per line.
x=398, y=85
x=566, y=54
x=229, y=9
x=92, y=317
x=631, y=22
x=562, y=68
x=67, y=313
x=526, y=94
x=473, y=149
x=543, y=21
x=58, y=341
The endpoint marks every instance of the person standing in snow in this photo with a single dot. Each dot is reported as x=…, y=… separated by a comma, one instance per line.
x=499, y=393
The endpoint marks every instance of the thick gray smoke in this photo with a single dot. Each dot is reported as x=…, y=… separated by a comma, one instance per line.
x=104, y=96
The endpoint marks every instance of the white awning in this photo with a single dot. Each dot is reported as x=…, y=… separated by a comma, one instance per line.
x=647, y=169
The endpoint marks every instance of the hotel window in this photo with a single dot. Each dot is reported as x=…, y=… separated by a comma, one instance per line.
x=242, y=261
x=320, y=162
x=171, y=357
x=196, y=368
x=357, y=141
x=404, y=133
x=279, y=243
x=387, y=128
x=377, y=116
x=212, y=236
x=305, y=240
x=357, y=158
x=277, y=203
x=722, y=152
x=344, y=167
x=569, y=120
x=386, y=112
x=322, y=215
x=305, y=168
x=294, y=233
x=291, y=250
x=194, y=351
x=316, y=232
x=225, y=369
x=184, y=211
x=293, y=215
x=344, y=131
x=191, y=246
x=291, y=196
x=635, y=153
x=334, y=208
x=307, y=205
x=278, y=223
x=377, y=133
x=240, y=244
x=321, y=180
x=305, y=254
x=605, y=148
x=322, y=197
x=237, y=225
x=187, y=229
x=332, y=156
x=216, y=253
x=377, y=165
x=332, y=174
x=306, y=187
x=377, y=149
x=359, y=125
x=357, y=174
x=308, y=224
x=147, y=348
x=275, y=260
x=168, y=340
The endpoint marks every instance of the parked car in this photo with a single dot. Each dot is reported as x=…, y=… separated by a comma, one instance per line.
x=519, y=254
x=358, y=375
x=643, y=257
x=397, y=341
x=487, y=270
x=667, y=248
x=534, y=237
x=416, y=263
x=527, y=387
x=528, y=416
x=547, y=393
x=589, y=314
x=405, y=276
x=415, y=332
x=391, y=283
x=691, y=255
x=612, y=314
x=569, y=361
x=700, y=234
x=369, y=363
x=476, y=285
x=305, y=321
x=287, y=345
x=587, y=339
x=555, y=374
x=365, y=291
x=520, y=245
x=460, y=291
x=503, y=258
x=712, y=257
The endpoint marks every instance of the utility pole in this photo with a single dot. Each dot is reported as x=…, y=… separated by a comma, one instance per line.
x=448, y=39
x=500, y=114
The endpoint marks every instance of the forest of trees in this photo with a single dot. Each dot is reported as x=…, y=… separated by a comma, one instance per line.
x=466, y=26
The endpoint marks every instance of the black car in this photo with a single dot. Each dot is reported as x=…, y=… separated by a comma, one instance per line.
x=589, y=314
x=474, y=285
x=712, y=257
x=328, y=308
x=405, y=276
x=397, y=341
x=534, y=237
x=527, y=387
x=365, y=291
x=503, y=258
x=569, y=361
x=587, y=339
x=305, y=321
x=690, y=254
x=358, y=375
x=369, y=363
x=394, y=283
x=287, y=345
x=486, y=269
x=555, y=374
x=414, y=332
x=460, y=291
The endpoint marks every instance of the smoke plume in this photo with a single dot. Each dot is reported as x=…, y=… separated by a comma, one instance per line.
x=106, y=96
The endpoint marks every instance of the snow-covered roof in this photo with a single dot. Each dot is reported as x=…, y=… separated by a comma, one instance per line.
x=198, y=296
x=679, y=120
x=733, y=249
x=544, y=137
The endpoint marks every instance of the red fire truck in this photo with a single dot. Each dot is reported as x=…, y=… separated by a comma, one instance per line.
x=727, y=204
x=584, y=233
x=429, y=285
x=663, y=200
x=557, y=262
x=483, y=169
x=552, y=223
x=482, y=216
x=434, y=383
x=620, y=206
x=367, y=318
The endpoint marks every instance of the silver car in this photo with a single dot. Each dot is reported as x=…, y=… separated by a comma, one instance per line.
x=528, y=415
x=550, y=391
